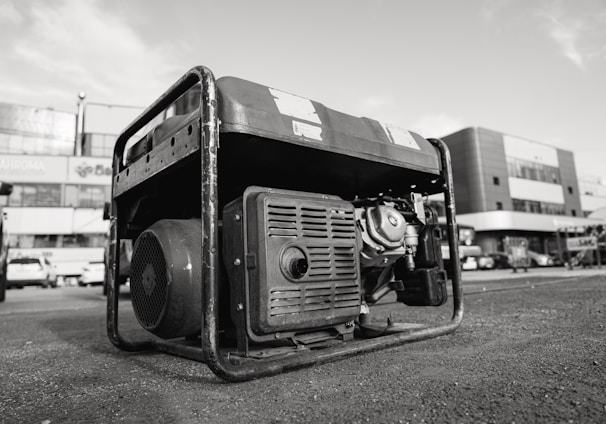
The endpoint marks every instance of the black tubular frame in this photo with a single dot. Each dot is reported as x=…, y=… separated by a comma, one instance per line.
x=210, y=353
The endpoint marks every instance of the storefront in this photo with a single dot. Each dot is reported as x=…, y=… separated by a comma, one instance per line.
x=56, y=208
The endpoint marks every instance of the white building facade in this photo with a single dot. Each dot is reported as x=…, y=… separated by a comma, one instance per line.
x=56, y=207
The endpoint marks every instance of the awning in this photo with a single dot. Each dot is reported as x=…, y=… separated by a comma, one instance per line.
x=508, y=220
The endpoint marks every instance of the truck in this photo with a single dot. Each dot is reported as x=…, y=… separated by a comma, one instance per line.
x=268, y=230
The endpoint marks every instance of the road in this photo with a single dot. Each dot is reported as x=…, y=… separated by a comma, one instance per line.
x=532, y=348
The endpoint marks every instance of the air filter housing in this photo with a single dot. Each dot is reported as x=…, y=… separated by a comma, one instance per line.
x=166, y=278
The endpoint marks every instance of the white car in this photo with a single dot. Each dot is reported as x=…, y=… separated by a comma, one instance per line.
x=485, y=262
x=540, y=259
x=469, y=263
x=92, y=274
x=28, y=271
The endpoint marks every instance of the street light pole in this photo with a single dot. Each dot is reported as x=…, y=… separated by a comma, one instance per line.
x=80, y=124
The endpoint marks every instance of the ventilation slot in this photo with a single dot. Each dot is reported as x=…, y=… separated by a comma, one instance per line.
x=320, y=261
x=344, y=261
x=347, y=295
x=285, y=301
x=314, y=297
x=342, y=223
x=282, y=221
x=314, y=222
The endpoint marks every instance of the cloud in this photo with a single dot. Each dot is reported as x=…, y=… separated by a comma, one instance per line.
x=490, y=10
x=437, y=125
x=9, y=13
x=578, y=33
x=81, y=45
x=578, y=29
x=567, y=37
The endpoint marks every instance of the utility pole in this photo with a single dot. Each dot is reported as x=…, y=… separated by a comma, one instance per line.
x=80, y=124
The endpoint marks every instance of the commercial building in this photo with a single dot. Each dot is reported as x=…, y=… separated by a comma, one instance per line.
x=56, y=206
x=510, y=188
x=593, y=196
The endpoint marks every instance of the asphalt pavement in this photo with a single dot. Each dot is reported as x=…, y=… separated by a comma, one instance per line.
x=535, y=352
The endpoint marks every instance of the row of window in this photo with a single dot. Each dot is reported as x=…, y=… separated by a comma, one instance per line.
x=28, y=241
x=520, y=168
x=97, y=145
x=57, y=195
x=20, y=144
x=496, y=181
x=519, y=205
x=533, y=206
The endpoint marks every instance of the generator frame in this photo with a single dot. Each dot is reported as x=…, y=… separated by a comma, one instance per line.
x=209, y=352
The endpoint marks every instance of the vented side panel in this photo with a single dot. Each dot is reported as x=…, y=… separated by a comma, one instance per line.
x=323, y=229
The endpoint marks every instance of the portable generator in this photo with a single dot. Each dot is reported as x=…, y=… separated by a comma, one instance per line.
x=268, y=228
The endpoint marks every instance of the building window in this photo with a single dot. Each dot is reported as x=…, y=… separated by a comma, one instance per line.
x=91, y=196
x=70, y=198
x=46, y=240
x=84, y=240
x=520, y=168
x=98, y=145
x=31, y=130
x=570, y=190
x=532, y=206
x=86, y=196
x=495, y=181
x=573, y=212
x=49, y=195
x=35, y=195
x=499, y=206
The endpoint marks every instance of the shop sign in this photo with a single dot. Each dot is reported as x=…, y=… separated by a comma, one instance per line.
x=30, y=168
x=89, y=170
x=575, y=244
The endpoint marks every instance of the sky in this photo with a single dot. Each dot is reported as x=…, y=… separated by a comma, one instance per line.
x=533, y=69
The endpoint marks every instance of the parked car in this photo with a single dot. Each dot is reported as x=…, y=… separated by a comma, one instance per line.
x=93, y=274
x=540, y=259
x=27, y=271
x=485, y=262
x=501, y=260
x=469, y=263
